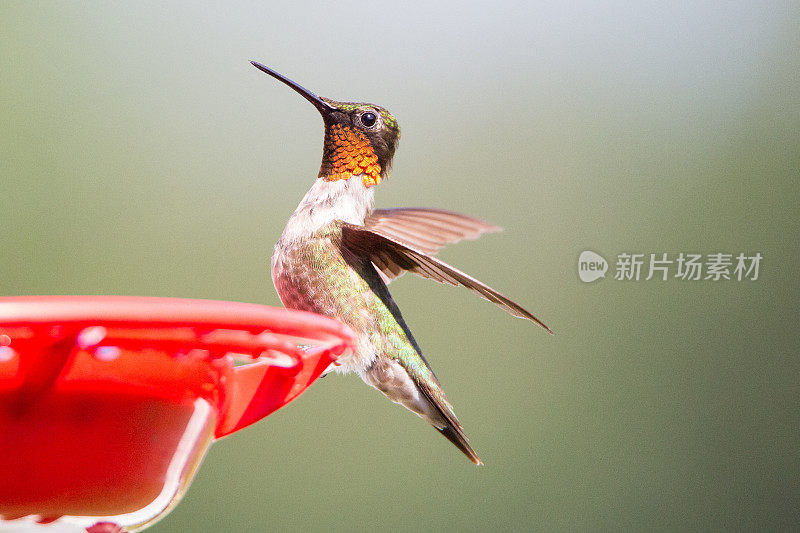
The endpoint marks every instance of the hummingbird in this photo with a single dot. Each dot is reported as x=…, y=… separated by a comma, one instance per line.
x=337, y=254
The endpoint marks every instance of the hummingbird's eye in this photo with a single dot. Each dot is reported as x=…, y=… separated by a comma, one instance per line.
x=368, y=119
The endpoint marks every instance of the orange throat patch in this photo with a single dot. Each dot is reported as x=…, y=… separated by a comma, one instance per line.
x=348, y=153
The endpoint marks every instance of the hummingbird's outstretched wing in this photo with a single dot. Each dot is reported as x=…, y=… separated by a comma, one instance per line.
x=423, y=229
x=426, y=230
x=392, y=256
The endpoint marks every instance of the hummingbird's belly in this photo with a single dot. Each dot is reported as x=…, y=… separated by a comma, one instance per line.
x=313, y=276
x=393, y=380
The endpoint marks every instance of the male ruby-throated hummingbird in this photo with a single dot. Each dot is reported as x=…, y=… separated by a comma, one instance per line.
x=338, y=253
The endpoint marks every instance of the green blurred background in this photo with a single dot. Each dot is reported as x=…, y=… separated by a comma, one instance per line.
x=141, y=154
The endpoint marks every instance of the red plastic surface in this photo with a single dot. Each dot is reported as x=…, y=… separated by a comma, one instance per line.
x=96, y=392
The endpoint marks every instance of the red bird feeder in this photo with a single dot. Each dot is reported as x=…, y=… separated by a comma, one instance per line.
x=108, y=404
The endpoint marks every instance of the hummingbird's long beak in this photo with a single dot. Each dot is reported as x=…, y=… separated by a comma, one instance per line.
x=318, y=102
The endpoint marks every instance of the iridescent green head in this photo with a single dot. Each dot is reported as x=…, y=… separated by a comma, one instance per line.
x=360, y=139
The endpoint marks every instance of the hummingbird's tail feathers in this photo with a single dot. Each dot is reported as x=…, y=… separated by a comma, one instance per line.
x=392, y=257
x=408, y=380
x=456, y=436
x=424, y=229
x=444, y=419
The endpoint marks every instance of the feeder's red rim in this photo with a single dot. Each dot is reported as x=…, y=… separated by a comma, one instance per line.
x=159, y=311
